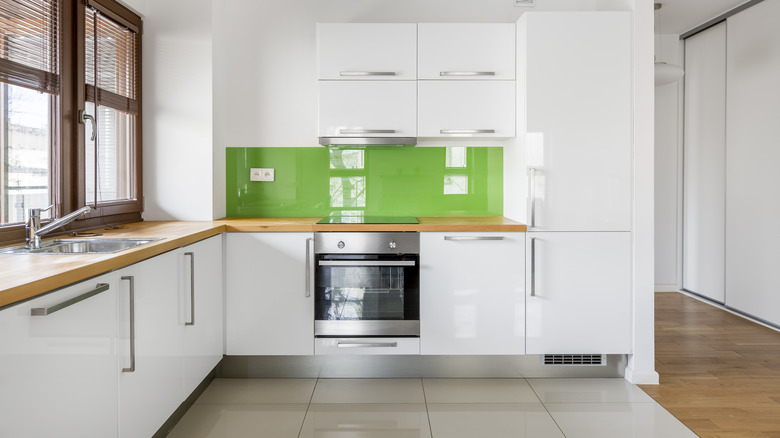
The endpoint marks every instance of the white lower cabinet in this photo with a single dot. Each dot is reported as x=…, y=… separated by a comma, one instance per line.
x=150, y=386
x=579, y=293
x=269, y=296
x=58, y=372
x=204, y=339
x=472, y=293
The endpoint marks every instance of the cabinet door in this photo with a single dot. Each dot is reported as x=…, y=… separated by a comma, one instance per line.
x=472, y=293
x=270, y=306
x=579, y=293
x=577, y=88
x=150, y=393
x=368, y=109
x=466, y=51
x=58, y=373
x=753, y=161
x=466, y=109
x=704, y=210
x=203, y=330
x=373, y=51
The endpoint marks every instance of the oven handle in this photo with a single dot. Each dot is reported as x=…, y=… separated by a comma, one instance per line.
x=367, y=344
x=367, y=263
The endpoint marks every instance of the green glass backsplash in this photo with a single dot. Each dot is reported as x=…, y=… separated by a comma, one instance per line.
x=383, y=181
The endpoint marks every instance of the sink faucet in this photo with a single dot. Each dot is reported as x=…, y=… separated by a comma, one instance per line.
x=33, y=230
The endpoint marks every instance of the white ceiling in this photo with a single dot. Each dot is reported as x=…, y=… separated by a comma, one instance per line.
x=679, y=16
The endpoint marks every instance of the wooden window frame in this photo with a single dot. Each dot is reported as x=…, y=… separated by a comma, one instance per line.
x=67, y=175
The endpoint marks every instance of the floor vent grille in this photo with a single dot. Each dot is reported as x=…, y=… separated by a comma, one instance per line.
x=574, y=359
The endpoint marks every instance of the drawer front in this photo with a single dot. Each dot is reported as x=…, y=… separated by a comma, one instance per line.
x=367, y=346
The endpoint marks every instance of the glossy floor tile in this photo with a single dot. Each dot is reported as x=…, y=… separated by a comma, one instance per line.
x=478, y=391
x=588, y=391
x=241, y=421
x=371, y=420
x=426, y=408
x=492, y=420
x=618, y=420
x=258, y=391
x=390, y=391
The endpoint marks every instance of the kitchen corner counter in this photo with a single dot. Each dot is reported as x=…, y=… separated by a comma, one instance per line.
x=24, y=276
x=28, y=275
x=467, y=224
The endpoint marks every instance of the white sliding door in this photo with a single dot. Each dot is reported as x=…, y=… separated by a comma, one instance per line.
x=705, y=164
x=753, y=162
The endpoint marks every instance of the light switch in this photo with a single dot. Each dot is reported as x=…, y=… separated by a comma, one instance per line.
x=256, y=174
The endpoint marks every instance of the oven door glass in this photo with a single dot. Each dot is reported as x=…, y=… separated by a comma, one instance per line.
x=366, y=288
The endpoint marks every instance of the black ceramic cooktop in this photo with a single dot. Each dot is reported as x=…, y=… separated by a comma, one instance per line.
x=368, y=220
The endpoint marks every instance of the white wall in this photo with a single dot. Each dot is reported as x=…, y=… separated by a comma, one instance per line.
x=668, y=169
x=178, y=165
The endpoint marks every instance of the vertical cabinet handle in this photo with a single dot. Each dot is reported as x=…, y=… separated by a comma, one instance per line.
x=131, y=279
x=533, y=266
x=532, y=195
x=308, y=266
x=192, y=287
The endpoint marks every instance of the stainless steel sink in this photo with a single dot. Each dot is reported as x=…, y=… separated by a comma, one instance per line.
x=80, y=246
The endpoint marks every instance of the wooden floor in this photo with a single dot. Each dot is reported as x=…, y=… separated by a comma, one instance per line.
x=720, y=373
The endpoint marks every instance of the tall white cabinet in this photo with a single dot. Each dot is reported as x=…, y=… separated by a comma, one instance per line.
x=704, y=183
x=753, y=161
x=573, y=79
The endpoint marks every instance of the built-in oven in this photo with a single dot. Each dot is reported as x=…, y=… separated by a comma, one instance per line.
x=367, y=284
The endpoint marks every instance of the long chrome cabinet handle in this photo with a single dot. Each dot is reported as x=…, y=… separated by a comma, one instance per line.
x=366, y=131
x=467, y=131
x=366, y=263
x=192, y=288
x=467, y=73
x=367, y=73
x=131, y=279
x=532, y=195
x=533, y=266
x=367, y=344
x=463, y=238
x=309, y=241
x=43, y=311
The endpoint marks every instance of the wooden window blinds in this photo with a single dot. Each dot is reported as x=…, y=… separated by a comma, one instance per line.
x=30, y=49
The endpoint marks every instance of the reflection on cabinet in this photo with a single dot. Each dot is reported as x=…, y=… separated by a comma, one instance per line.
x=578, y=293
x=58, y=372
x=704, y=211
x=574, y=74
x=367, y=51
x=472, y=296
x=270, y=305
x=753, y=161
x=367, y=109
x=466, y=109
x=477, y=51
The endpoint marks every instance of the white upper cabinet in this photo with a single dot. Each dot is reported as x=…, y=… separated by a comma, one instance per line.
x=367, y=51
x=368, y=109
x=466, y=109
x=574, y=72
x=476, y=51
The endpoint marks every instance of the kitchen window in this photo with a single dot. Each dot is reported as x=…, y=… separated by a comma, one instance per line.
x=70, y=112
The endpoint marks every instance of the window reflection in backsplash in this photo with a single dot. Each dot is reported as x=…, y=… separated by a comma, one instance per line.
x=383, y=181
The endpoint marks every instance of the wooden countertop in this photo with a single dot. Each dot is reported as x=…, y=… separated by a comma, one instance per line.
x=492, y=223
x=28, y=275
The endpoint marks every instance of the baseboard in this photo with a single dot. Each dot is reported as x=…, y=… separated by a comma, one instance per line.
x=666, y=288
x=177, y=415
x=642, y=377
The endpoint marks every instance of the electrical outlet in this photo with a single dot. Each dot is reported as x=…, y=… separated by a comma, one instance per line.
x=261, y=174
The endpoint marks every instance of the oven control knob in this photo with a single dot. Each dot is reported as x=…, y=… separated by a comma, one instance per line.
x=341, y=244
x=392, y=244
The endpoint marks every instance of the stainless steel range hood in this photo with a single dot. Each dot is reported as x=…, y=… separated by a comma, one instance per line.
x=367, y=141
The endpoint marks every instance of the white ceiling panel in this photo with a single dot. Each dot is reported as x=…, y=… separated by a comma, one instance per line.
x=679, y=16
